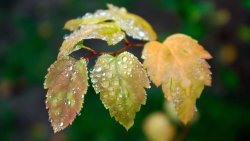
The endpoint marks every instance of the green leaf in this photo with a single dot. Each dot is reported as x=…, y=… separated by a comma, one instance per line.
x=120, y=81
x=133, y=25
x=108, y=31
x=67, y=84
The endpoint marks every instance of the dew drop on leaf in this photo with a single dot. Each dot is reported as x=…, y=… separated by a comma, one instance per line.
x=67, y=93
x=120, y=93
x=183, y=74
x=124, y=59
x=98, y=69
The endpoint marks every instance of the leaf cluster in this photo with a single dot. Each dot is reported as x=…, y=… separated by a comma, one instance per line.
x=178, y=65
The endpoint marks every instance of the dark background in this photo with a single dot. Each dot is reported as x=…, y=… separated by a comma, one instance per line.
x=31, y=34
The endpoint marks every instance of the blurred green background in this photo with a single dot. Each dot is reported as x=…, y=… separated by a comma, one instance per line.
x=31, y=34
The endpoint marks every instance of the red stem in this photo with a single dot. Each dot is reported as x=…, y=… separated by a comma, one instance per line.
x=92, y=52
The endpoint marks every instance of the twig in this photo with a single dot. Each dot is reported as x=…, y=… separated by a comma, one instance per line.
x=92, y=52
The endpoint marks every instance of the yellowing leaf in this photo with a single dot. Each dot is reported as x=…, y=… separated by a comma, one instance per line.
x=179, y=65
x=133, y=25
x=109, y=32
x=120, y=81
x=156, y=61
x=67, y=84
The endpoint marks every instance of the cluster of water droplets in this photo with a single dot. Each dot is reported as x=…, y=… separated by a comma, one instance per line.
x=92, y=31
x=69, y=73
x=119, y=15
x=103, y=74
x=125, y=63
x=138, y=72
x=58, y=126
x=115, y=79
x=177, y=96
x=200, y=71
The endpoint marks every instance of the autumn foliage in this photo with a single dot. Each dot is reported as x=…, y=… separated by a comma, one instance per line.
x=178, y=65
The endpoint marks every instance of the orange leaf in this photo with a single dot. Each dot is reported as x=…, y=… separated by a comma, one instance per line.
x=67, y=84
x=179, y=65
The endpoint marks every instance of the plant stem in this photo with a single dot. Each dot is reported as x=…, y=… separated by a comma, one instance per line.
x=183, y=134
x=93, y=52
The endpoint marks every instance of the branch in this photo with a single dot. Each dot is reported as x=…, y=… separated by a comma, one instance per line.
x=93, y=52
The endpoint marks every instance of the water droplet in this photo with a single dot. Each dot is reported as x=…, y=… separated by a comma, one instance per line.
x=120, y=37
x=141, y=33
x=120, y=96
x=98, y=69
x=127, y=73
x=65, y=37
x=143, y=56
x=103, y=74
x=119, y=62
x=195, y=109
x=67, y=102
x=130, y=62
x=50, y=120
x=70, y=68
x=124, y=59
x=87, y=15
x=113, y=41
x=74, y=91
x=52, y=66
x=177, y=90
x=60, y=124
x=94, y=80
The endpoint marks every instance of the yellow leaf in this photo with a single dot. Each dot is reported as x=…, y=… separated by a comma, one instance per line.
x=133, y=25
x=109, y=32
x=67, y=84
x=156, y=61
x=120, y=81
x=179, y=65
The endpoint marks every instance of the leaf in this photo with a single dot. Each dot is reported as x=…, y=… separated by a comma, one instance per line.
x=67, y=84
x=179, y=65
x=120, y=81
x=109, y=32
x=133, y=25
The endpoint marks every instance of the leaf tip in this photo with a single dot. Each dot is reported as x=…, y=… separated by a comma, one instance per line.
x=127, y=126
x=56, y=128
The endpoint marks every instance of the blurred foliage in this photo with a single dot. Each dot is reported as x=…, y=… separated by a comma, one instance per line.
x=31, y=33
